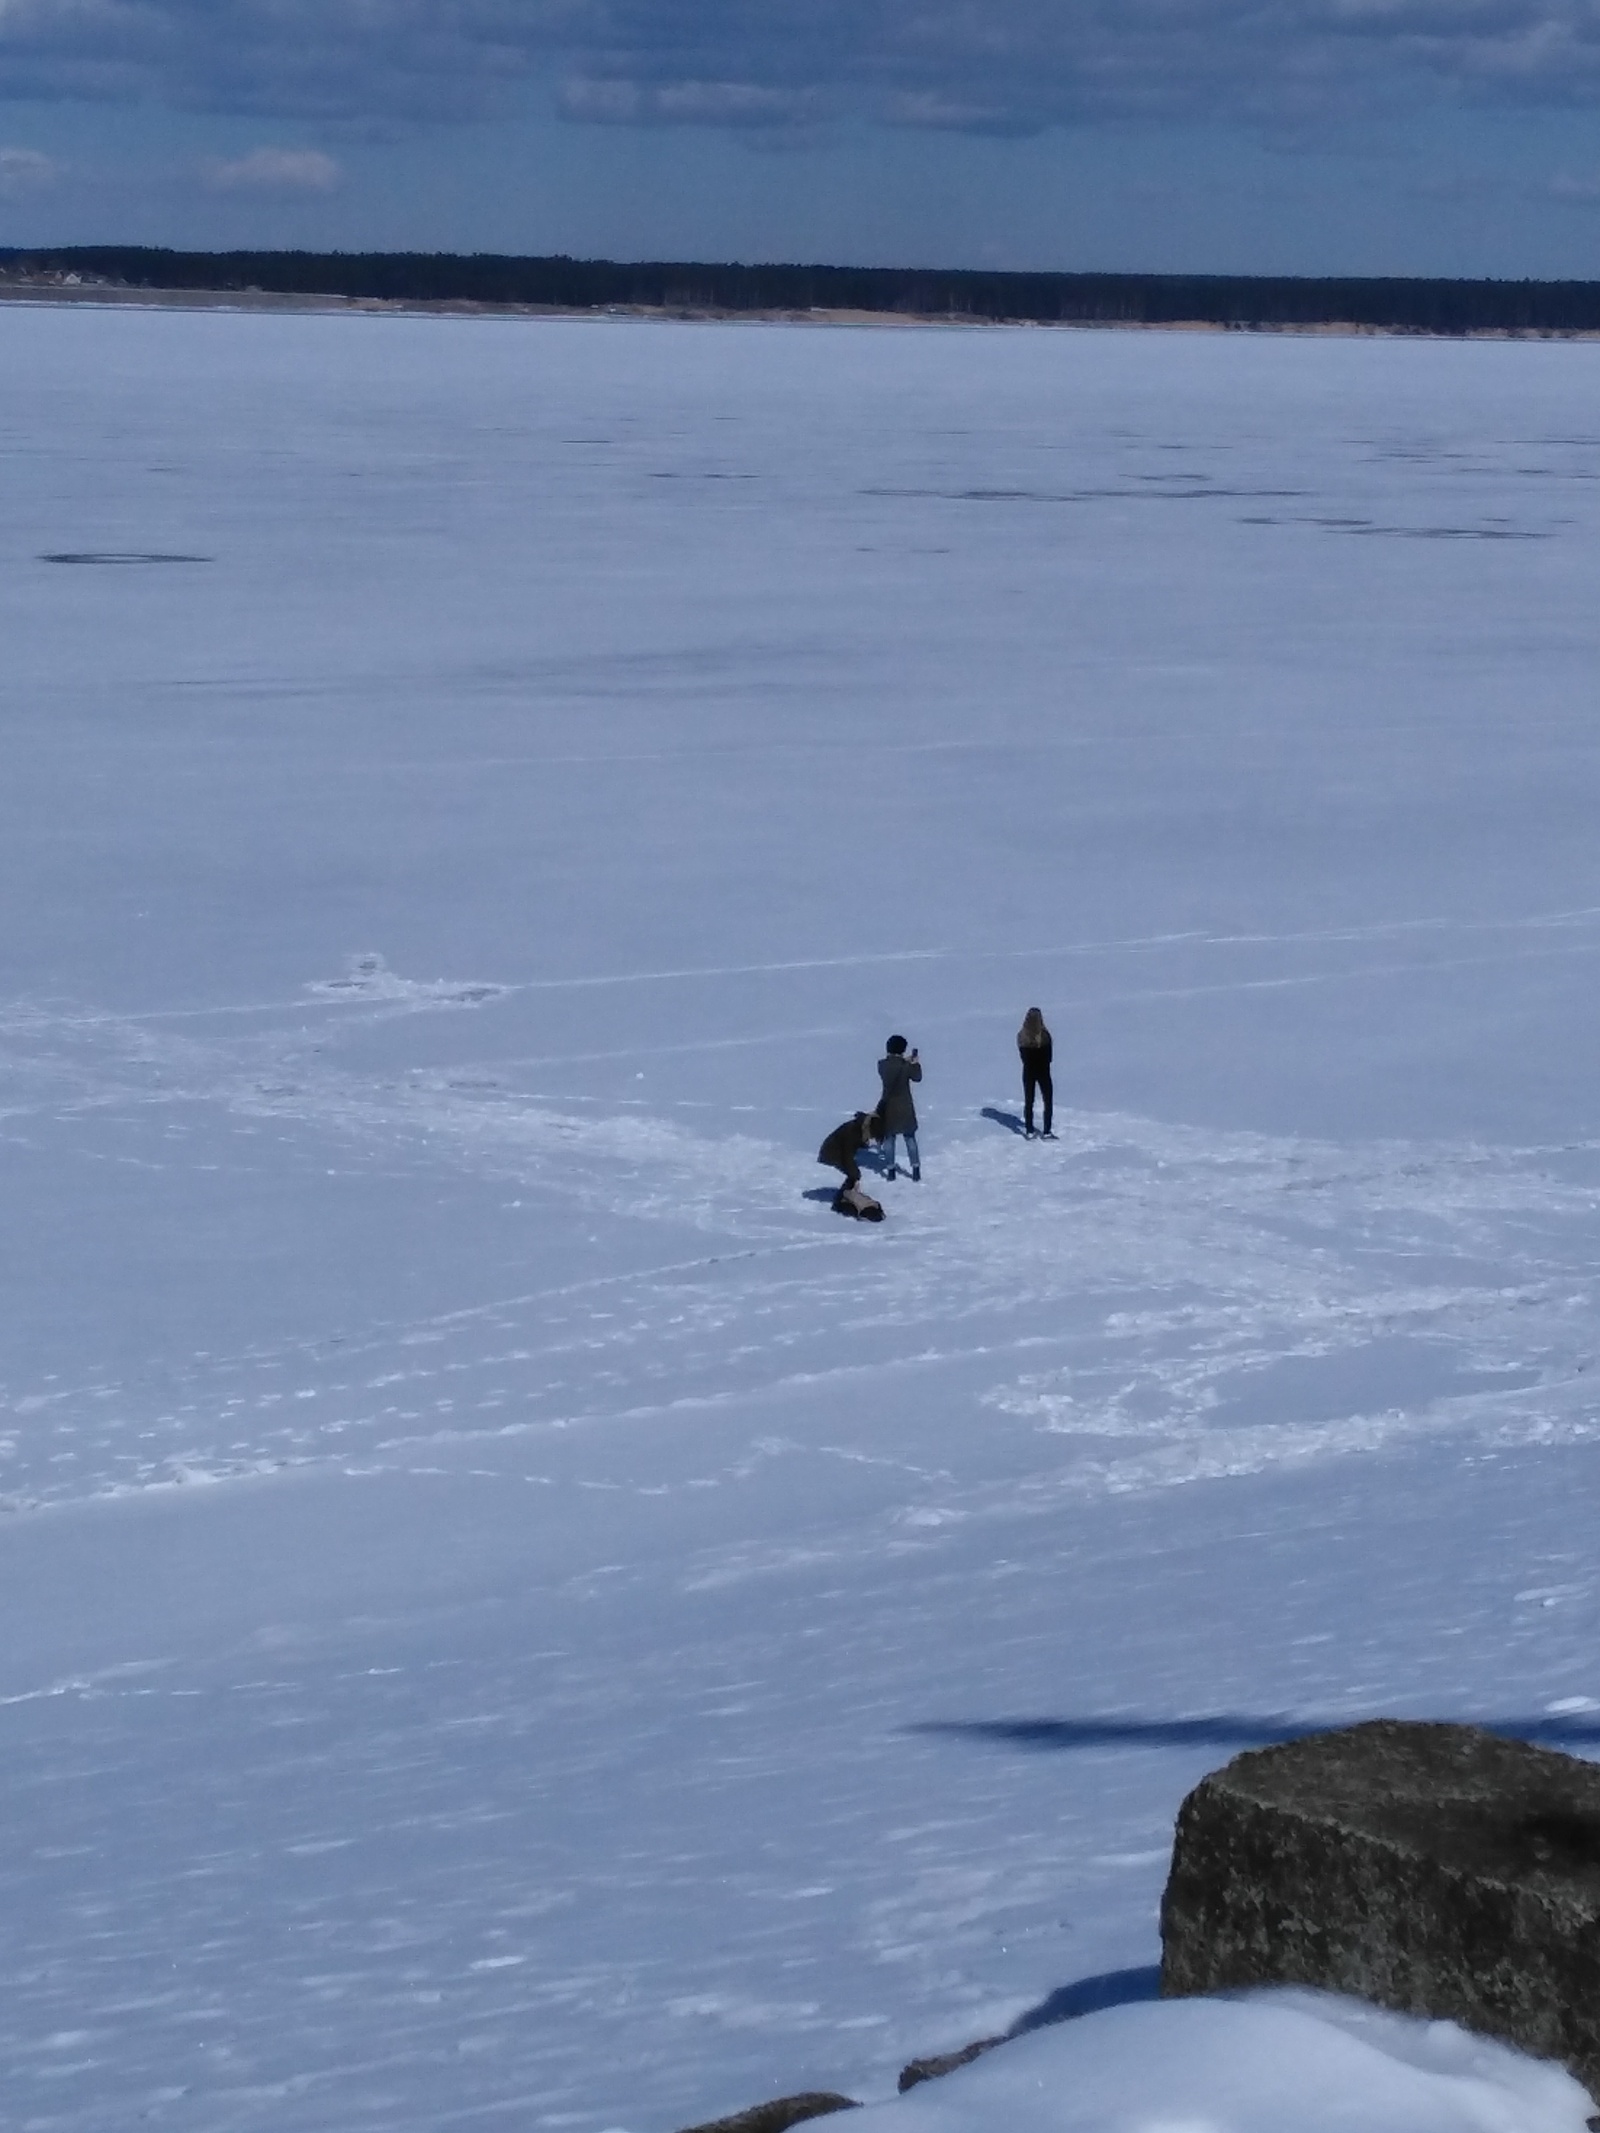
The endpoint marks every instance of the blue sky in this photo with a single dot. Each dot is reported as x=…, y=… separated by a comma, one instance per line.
x=1376, y=136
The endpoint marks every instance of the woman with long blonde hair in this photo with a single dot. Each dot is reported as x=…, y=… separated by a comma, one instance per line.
x=1036, y=1050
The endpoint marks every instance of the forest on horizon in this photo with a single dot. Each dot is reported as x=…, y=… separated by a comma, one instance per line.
x=1394, y=304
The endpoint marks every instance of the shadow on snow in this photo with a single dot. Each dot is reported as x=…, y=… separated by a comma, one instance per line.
x=1088, y=1995
x=1226, y=1730
x=1008, y=1119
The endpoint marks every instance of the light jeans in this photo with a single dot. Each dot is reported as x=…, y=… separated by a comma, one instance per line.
x=912, y=1156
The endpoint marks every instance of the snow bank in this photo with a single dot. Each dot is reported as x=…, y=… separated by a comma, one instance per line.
x=1277, y=2062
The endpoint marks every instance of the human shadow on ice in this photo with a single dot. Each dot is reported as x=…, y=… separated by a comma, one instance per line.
x=1009, y=1119
x=1226, y=1730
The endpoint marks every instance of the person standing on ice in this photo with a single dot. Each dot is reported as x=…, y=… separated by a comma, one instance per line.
x=1036, y=1050
x=897, y=1111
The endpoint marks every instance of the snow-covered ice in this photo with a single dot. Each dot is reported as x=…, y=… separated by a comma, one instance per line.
x=515, y=1614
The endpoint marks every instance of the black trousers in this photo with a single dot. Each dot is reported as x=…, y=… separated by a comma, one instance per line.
x=1036, y=1076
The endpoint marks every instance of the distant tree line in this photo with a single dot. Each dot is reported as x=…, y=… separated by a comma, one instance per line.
x=1229, y=300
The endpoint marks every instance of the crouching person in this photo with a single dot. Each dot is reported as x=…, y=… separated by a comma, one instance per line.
x=839, y=1152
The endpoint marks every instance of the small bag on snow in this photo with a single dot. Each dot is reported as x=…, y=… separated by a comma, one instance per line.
x=851, y=1200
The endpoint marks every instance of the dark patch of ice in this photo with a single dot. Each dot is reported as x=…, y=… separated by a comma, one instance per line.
x=1449, y=533
x=117, y=556
x=1169, y=492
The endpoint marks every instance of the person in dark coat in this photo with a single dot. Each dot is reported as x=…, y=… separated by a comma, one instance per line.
x=845, y=1143
x=1036, y=1050
x=898, y=1112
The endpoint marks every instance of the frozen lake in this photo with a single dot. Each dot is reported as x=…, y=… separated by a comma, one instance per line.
x=515, y=1614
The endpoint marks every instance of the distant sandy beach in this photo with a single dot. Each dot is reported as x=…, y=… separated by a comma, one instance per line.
x=111, y=293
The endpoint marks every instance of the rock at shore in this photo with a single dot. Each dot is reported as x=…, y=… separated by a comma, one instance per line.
x=939, y=2063
x=1435, y=1869
x=780, y=2114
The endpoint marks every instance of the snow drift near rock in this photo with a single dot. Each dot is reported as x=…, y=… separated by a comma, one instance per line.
x=1274, y=2062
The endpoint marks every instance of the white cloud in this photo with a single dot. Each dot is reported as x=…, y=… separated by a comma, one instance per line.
x=24, y=170
x=684, y=103
x=948, y=111
x=276, y=170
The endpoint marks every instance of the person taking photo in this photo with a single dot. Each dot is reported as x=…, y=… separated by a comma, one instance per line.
x=897, y=1070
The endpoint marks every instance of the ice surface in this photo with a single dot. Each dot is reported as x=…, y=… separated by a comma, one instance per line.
x=513, y=1612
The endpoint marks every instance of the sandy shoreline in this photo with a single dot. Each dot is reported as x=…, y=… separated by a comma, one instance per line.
x=115, y=295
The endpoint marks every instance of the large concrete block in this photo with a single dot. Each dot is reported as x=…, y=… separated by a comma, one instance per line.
x=1438, y=1870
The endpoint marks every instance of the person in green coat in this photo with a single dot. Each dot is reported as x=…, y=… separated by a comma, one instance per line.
x=897, y=1070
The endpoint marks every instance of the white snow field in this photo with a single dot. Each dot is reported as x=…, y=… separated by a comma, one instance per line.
x=515, y=1615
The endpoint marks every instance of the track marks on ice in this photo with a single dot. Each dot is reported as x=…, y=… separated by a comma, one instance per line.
x=1142, y=1303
